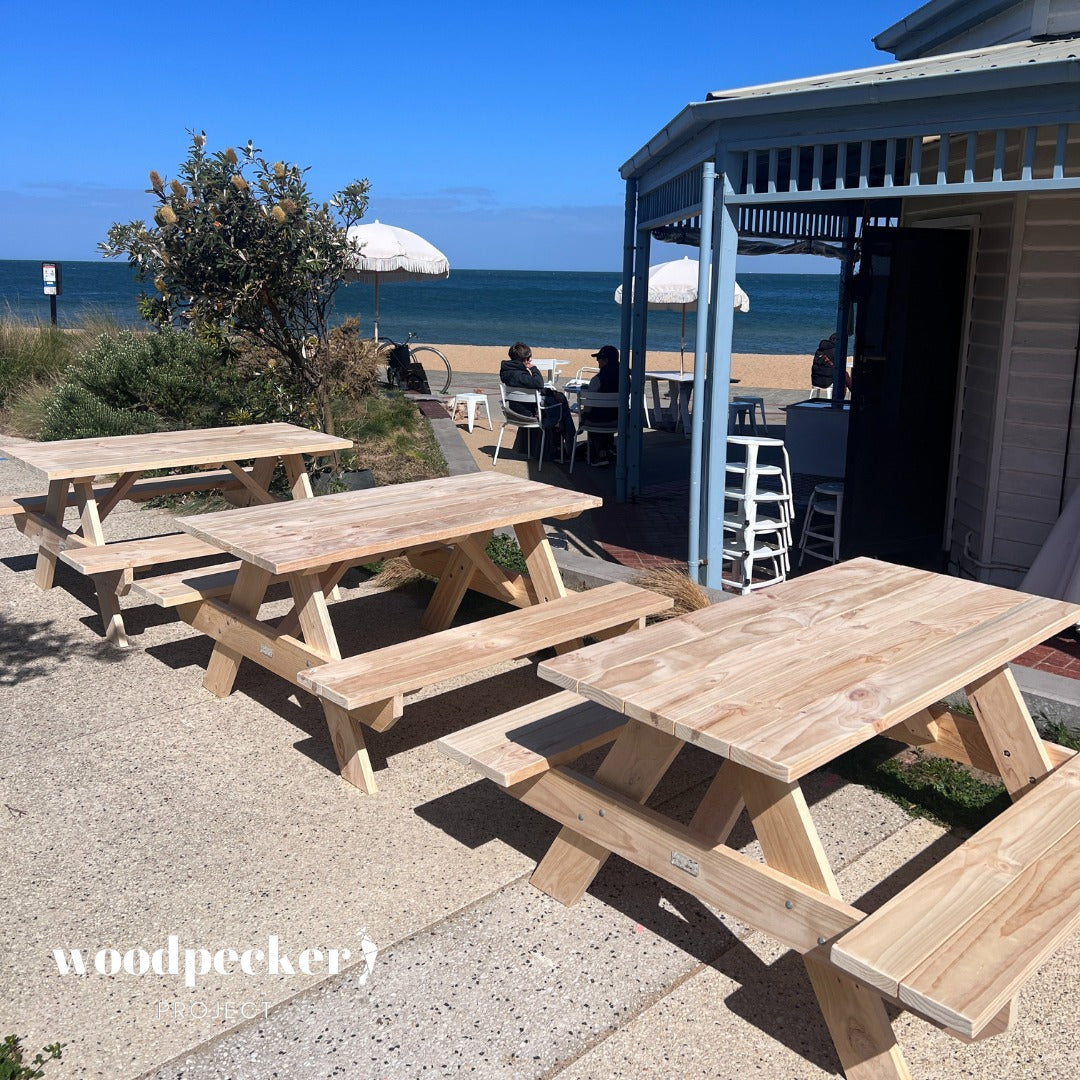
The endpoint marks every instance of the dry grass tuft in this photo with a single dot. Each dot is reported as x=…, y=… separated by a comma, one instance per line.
x=397, y=573
x=671, y=581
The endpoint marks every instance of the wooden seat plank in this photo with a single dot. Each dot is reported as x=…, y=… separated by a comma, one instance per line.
x=132, y=554
x=527, y=741
x=409, y=665
x=961, y=940
x=188, y=586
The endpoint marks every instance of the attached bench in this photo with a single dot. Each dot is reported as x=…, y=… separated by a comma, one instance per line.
x=368, y=689
x=112, y=566
x=524, y=742
x=141, y=490
x=959, y=943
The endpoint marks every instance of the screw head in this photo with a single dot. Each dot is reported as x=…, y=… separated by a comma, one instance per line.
x=789, y=904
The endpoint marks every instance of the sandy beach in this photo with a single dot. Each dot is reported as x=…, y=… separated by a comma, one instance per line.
x=781, y=372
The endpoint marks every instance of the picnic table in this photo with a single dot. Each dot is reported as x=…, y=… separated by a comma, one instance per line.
x=69, y=467
x=777, y=684
x=443, y=526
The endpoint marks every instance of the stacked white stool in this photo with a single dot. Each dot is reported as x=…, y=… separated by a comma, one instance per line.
x=820, y=537
x=746, y=410
x=758, y=527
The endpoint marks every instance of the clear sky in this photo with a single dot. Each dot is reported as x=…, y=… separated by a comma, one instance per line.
x=494, y=129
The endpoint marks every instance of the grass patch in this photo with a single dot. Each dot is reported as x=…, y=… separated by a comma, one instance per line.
x=925, y=786
x=392, y=440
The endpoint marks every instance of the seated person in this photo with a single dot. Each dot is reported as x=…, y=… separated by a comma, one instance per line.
x=606, y=381
x=517, y=373
x=823, y=364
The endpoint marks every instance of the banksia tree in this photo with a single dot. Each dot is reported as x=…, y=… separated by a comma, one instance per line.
x=240, y=244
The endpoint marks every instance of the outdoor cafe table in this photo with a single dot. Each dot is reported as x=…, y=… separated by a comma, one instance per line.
x=779, y=683
x=448, y=521
x=69, y=467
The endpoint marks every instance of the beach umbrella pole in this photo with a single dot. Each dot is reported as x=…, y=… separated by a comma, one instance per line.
x=376, y=307
x=682, y=342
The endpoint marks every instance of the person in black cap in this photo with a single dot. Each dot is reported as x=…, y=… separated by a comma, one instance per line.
x=606, y=381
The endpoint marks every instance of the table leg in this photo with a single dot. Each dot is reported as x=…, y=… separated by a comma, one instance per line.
x=246, y=597
x=544, y=573
x=855, y=1016
x=300, y=486
x=55, y=505
x=634, y=765
x=453, y=583
x=719, y=810
x=108, y=586
x=1006, y=724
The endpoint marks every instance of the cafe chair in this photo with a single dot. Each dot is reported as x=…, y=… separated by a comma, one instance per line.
x=821, y=528
x=595, y=400
x=529, y=421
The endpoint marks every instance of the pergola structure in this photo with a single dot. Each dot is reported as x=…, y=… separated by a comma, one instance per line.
x=815, y=160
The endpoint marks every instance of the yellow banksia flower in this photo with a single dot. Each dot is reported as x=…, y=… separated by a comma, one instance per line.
x=159, y=284
x=178, y=189
x=278, y=215
x=279, y=170
x=199, y=141
x=239, y=183
x=155, y=180
x=289, y=206
x=230, y=156
x=165, y=215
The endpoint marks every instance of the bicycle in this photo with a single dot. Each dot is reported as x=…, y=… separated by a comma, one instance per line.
x=399, y=355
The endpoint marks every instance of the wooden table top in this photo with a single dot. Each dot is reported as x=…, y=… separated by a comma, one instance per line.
x=786, y=679
x=69, y=459
x=309, y=533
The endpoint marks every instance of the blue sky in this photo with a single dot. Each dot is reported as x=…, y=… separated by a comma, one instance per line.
x=495, y=130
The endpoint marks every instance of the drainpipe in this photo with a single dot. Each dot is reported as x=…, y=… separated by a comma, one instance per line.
x=638, y=334
x=629, y=221
x=708, y=186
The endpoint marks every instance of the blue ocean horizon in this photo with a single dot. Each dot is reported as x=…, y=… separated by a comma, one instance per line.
x=549, y=309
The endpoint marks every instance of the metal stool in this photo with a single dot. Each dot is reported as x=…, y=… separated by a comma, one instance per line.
x=827, y=504
x=740, y=418
x=471, y=401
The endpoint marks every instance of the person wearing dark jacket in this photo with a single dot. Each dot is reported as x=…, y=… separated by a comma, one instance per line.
x=823, y=364
x=605, y=381
x=517, y=373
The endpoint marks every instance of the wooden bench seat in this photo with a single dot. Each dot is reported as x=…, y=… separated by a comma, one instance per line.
x=136, y=554
x=188, y=586
x=959, y=943
x=529, y=740
x=385, y=674
x=141, y=490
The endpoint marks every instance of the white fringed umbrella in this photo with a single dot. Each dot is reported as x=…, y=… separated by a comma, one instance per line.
x=387, y=253
x=673, y=287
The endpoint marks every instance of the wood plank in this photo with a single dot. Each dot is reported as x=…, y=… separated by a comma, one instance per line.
x=132, y=554
x=245, y=600
x=409, y=665
x=633, y=767
x=55, y=503
x=750, y=891
x=347, y=736
x=1020, y=758
x=353, y=526
x=67, y=459
x=453, y=583
x=188, y=586
x=971, y=977
x=529, y=740
x=256, y=482
x=719, y=810
x=909, y=929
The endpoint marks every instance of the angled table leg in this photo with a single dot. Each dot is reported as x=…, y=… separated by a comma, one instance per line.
x=55, y=505
x=246, y=598
x=108, y=586
x=855, y=1016
x=634, y=765
x=1019, y=755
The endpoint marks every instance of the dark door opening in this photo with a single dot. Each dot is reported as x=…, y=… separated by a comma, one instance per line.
x=908, y=329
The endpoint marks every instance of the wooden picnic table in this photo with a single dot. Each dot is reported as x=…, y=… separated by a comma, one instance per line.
x=443, y=525
x=69, y=467
x=777, y=684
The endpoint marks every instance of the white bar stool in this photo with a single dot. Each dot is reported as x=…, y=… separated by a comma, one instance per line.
x=471, y=401
x=823, y=512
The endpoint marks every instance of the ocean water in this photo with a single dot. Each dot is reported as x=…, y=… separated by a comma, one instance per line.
x=789, y=313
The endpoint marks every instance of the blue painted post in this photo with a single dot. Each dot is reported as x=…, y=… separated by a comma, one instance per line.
x=621, y=443
x=843, y=307
x=719, y=385
x=708, y=188
x=639, y=330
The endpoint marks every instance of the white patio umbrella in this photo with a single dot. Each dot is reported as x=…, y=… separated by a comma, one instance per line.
x=673, y=287
x=388, y=253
